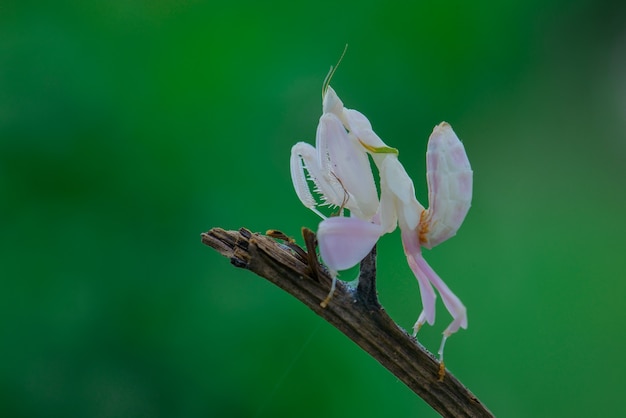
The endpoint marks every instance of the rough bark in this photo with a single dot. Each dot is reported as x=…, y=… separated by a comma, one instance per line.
x=355, y=311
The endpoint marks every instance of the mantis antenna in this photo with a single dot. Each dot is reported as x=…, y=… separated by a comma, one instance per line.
x=331, y=72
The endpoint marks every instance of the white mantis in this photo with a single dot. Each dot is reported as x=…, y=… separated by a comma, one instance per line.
x=340, y=170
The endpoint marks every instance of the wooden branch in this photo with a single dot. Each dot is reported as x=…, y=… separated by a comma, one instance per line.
x=354, y=311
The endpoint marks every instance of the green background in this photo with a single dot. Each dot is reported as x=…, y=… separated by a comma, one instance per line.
x=127, y=128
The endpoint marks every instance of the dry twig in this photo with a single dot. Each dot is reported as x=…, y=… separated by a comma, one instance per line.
x=354, y=311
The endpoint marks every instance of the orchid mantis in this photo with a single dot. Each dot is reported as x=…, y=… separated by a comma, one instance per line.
x=340, y=170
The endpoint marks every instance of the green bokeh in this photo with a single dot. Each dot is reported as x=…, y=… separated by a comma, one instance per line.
x=127, y=128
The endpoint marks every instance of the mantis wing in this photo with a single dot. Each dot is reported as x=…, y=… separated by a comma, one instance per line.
x=449, y=178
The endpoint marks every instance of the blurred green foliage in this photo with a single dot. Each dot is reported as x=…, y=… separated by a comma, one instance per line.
x=127, y=128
